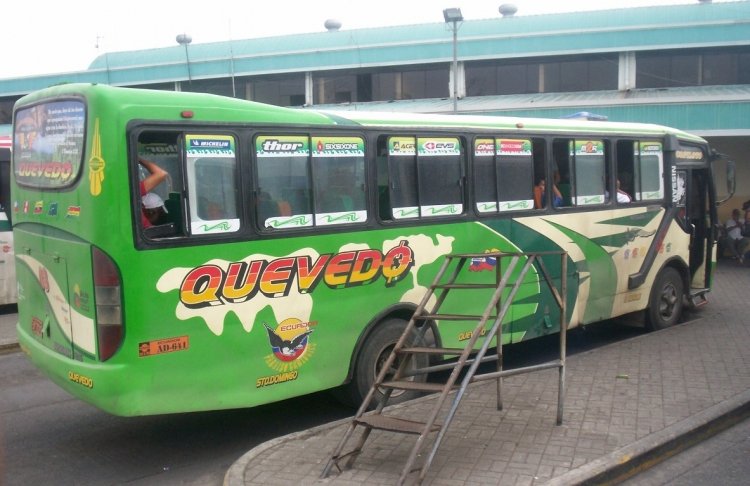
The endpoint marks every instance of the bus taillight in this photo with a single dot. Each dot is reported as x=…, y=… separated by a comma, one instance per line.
x=108, y=304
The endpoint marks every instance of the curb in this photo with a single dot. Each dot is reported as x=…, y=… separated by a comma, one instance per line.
x=659, y=446
x=235, y=475
x=610, y=469
x=7, y=347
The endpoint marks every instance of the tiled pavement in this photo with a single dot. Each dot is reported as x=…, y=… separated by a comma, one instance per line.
x=625, y=403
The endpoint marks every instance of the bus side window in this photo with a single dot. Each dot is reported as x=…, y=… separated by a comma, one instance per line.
x=627, y=153
x=515, y=175
x=561, y=174
x=440, y=177
x=211, y=162
x=162, y=148
x=384, y=201
x=582, y=171
x=338, y=168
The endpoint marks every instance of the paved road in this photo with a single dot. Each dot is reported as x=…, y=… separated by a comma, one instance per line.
x=723, y=459
x=50, y=437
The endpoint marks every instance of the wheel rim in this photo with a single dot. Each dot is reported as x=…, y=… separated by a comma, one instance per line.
x=668, y=302
x=380, y=362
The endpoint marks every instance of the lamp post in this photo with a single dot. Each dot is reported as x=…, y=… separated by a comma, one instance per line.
x=453, y=16
x=184, y=40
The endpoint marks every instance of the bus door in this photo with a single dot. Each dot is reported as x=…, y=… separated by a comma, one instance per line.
x=693, y=194
x=53, y=262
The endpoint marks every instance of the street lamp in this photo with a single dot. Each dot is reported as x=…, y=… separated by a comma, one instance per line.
x=184, y=40
x=453, y=16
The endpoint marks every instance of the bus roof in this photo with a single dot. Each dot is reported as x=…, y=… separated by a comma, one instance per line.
x=208, y=107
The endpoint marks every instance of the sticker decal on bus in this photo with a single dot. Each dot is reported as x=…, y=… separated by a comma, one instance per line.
x=211, y=285
x=161, y=346
x=218, y=287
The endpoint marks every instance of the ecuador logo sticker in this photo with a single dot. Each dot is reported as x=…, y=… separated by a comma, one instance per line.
x=290, y=349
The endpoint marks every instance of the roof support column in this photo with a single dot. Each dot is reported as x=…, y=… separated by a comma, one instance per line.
x=626, y=71
x=309, y=87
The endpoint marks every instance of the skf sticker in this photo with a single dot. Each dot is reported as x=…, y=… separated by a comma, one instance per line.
x=162, y=346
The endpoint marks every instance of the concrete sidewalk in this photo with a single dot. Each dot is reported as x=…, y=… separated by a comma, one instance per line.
x=626, y=405
x=8, y=320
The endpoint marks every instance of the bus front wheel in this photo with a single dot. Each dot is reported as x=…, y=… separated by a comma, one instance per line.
x=665, y=303
x=373, y=356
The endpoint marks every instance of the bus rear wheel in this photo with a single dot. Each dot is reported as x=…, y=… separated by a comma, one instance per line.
x=373, y=356
x=666, y=301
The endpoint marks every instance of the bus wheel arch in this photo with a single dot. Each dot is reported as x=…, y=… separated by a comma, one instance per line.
x=667, y=298
x=372, y=349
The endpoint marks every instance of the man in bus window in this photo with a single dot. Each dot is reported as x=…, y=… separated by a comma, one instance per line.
x=153, y=209
x=156, y=176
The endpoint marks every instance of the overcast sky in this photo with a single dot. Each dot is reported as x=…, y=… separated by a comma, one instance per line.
x=56, y=36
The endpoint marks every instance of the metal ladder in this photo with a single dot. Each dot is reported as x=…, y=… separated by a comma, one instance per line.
x=404, y=350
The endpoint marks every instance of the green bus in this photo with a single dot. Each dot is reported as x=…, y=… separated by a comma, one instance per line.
x=294, y=245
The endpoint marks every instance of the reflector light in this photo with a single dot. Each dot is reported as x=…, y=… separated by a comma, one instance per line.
x=107, y=287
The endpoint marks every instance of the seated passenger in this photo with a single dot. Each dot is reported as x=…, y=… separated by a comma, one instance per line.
x=539, y=193
x=737, y=244
x=622, y=196
x=153, y=209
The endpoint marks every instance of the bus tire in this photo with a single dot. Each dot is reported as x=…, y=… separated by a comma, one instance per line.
x=666, y=301
x=374, y=353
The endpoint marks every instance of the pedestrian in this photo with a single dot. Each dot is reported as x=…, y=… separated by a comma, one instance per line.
x=736, y=243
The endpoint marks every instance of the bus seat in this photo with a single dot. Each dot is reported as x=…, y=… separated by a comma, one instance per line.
x=564, y=188
x=267, y=207
x=284, y=208
x=298, y=200
x=172, y=204
x=347, y=202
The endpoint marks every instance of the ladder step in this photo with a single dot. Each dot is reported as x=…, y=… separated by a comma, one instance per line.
x=415, y=386
x=698, y=297
x=394, y=424
x=428, y=350
x=451, y=317
x=466, y=286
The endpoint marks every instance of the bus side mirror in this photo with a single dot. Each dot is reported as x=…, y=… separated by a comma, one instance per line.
x=731, y=181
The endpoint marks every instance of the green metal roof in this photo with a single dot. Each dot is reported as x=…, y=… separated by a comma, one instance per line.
x=632, y=29
x=695, y=109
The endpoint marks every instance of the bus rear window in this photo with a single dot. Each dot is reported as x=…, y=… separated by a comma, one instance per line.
x=48, y=142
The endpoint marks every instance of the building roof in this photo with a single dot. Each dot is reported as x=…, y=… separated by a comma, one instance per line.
x=722, y=108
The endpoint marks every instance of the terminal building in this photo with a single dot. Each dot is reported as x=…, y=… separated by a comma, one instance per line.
x=685, y=66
